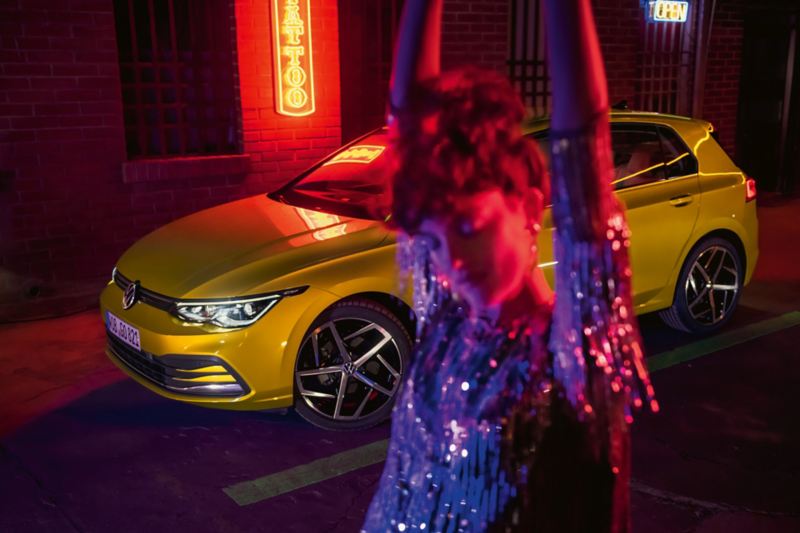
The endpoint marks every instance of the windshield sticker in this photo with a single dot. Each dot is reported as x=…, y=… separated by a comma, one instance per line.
x=361, y=153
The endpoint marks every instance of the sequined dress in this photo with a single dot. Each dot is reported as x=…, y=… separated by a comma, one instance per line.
x=502, y=429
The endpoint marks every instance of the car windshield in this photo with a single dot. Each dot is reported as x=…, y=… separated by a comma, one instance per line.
x=350, y=183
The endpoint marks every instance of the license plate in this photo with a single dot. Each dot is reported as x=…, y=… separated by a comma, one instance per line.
x=123, y=331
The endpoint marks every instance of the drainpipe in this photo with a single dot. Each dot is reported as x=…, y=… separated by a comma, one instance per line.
x=787, y=101
x=701, y=54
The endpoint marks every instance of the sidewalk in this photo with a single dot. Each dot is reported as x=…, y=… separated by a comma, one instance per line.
x=23, y=300
x=45, y=364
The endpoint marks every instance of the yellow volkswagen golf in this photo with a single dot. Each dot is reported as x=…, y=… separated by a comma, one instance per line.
x=291, y=298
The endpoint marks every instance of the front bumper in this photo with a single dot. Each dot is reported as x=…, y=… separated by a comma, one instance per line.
x=248, y=368
x=196, y=375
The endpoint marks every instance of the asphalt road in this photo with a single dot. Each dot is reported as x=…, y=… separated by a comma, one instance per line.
x=84, y=449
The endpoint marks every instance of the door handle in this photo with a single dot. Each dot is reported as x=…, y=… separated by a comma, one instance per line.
x=681, y=200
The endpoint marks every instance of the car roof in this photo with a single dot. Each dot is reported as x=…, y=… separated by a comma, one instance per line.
x=537, y=124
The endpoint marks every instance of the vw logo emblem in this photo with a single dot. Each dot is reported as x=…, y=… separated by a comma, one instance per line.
x=131, y=295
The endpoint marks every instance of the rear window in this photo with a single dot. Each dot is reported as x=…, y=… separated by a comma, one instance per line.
x=349, y=183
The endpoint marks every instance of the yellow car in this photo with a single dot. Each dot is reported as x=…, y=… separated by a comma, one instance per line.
x=291, y=298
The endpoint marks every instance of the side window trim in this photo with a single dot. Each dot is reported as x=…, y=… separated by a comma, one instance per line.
x=661, y=128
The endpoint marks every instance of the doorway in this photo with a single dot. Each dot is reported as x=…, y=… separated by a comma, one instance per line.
x=768, y=131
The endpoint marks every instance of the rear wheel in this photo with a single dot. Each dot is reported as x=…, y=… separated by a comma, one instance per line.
x=350, y=366
x=708, y=288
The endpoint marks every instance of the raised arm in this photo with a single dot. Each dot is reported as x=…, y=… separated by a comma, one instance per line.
x=576, y=65
x=582, y=167
x=595, y=336
x=417, y=50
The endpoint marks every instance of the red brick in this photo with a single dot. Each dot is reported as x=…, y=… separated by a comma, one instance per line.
x=24, y=69
x=293, y=145
x=98, y=82
x=57, y=134
x=11, y=56
x=311, y=132
x=52, y=83
x=13, y=83
x=30, y=123
x=51, y=56
x=56, y=109
x=16, y=110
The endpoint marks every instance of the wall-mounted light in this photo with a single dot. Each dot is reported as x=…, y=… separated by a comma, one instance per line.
x=294, y=64
x=668, y=11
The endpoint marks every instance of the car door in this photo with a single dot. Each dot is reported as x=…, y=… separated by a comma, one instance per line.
x=655, y=177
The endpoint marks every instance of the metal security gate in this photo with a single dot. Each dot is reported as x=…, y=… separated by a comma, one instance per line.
x=666, y=65
x=528, y=61
x=179, y=80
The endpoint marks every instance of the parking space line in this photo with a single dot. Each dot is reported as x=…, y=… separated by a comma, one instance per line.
x=248, y=492
x=722, y=341
x=263, y=488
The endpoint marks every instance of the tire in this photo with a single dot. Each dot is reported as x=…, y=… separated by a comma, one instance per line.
x=376, y=354
x=708, y=288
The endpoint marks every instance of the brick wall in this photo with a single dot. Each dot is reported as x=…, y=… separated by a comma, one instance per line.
x=475, y=32
x=70, y=204
x=619, y=25
x=280, y=146
x=61, y=137
x=723, y=70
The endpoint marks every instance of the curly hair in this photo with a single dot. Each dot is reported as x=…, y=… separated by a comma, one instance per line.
x=461, y=134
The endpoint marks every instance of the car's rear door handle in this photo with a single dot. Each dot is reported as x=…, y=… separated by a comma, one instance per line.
x=681, y=200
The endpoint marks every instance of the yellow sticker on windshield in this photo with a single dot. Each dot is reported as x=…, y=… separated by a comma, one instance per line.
x=361, y=153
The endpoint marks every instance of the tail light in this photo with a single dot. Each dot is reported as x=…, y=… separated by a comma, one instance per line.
x=750, y=188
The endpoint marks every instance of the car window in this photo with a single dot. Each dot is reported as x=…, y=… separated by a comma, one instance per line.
x=678, y=158
x=638, y=158
x=351, y=182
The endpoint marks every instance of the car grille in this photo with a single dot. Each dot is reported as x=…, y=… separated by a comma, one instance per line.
x=146, y=296
x=197, y=375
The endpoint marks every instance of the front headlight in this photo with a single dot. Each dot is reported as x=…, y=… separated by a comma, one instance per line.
x=233, y=313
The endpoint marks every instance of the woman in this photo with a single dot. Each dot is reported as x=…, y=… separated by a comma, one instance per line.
x=516, y=410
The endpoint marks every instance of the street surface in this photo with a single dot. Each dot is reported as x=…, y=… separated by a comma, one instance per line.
x=83, y=449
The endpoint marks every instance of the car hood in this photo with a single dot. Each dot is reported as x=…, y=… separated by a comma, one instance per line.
x=237, y=248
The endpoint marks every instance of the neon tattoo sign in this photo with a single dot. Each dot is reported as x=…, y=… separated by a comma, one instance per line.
x=360, y=153
x=668, y=11
x=294, y=65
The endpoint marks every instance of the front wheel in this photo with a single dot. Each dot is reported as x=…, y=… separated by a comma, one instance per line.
x=350, y=366
x=708, y=288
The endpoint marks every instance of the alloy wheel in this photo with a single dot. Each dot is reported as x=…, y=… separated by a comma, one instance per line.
x=348, y=368
x=712, y=286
